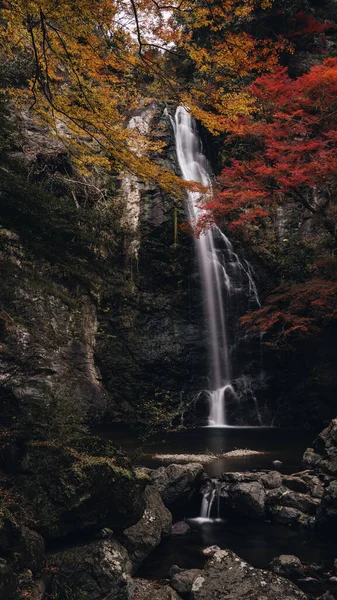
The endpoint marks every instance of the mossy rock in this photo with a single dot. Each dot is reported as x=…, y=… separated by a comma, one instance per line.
x=99, y=570
x=75, y=492
x=96, y=446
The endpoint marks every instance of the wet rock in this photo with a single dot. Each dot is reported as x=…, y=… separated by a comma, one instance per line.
x=287, y=565
x=274, y=496
x=316, y=487
x=228, y=576
x=70, y=491
x=296, y=484
x=98, y=570
x=245, y=499
x=322, y=457
x=180, y=528
x=183, y=581
x=8, y=581
x=277, y=464
x=301, y=502
x=176, y=483
x=211, y=550
x=327, y=512
x=144, y=536
x=271, y=480
x=290, y=516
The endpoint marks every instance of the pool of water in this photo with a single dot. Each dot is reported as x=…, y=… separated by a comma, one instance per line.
x=274, y=444
x=257, y=543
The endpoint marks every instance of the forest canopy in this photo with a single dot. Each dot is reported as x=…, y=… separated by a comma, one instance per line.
x=86, y=65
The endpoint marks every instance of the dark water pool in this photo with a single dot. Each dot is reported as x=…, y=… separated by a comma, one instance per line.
x=275, y=444
x=257, y=543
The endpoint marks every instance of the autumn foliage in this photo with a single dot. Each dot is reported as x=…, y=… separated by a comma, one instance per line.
x=93, y=62
x=295, y=312
x=292, y=135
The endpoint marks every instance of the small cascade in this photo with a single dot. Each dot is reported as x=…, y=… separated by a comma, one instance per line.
x=227, y=281
x=210, y=503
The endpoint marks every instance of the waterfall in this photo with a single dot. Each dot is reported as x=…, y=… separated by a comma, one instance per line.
x=210, y=495
x=224, y=276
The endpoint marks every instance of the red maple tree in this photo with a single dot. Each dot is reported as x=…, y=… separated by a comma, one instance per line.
x=292, y=135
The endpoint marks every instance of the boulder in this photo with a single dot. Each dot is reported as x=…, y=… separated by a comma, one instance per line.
x=287, y=565
x=180, y=528
x=8, y=581
x=322, y=457
x=176, y=483
x=316, y=487
x=287, y=515
x=140, y=539
x=327, y=512
x=228, y=576
x=271, y=480
x=71, y=491
x=296, y=484
x=98, y=570
x=182, y=581
x=302, y=502
x=246, y=499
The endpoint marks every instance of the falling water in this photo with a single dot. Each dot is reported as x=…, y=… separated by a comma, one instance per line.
x=222, y=272
x=210, y=499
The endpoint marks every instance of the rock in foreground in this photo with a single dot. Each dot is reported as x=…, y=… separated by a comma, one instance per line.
x=144, y=536
x=96, y=571
x=226, y=576
x=71, y=491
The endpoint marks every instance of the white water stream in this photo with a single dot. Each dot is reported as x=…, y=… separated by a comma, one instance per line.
x=222, y=272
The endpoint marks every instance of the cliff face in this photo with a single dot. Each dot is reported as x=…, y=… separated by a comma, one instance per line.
x=151, y=353
x=100, y=304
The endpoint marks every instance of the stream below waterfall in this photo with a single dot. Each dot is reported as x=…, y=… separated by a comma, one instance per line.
x=256, y=542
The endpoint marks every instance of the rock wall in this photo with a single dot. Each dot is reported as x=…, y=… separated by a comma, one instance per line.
x=101, y=300
x=152, y=352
